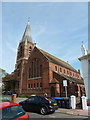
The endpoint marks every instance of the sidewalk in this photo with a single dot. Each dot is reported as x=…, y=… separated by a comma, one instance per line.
x=74, y=111
x=18, y=99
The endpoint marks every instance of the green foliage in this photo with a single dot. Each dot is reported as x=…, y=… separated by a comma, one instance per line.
x=6, y=82
x=23, y=96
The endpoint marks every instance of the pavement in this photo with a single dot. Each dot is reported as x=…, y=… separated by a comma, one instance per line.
x=79, y=112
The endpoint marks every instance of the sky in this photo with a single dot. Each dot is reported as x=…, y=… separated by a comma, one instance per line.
x=56, y=27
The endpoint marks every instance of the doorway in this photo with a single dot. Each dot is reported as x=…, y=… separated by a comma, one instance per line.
x=52, y=91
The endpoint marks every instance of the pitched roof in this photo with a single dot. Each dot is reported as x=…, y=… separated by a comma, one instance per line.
x=72, y=79
x=56, y=60
x=54, y=81
x=76, y=80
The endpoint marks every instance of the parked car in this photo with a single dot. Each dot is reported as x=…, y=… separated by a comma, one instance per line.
x=12, y=111
x=40, y=104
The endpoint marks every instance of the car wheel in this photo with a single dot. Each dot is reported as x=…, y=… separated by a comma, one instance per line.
x=43, y=110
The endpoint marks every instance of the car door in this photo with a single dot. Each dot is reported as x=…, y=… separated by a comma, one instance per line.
x=30, y=104
x=35, y=104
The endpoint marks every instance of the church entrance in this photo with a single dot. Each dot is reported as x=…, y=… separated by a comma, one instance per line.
x=52, y=91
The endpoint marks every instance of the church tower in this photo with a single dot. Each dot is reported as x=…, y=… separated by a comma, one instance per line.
x=25, y=48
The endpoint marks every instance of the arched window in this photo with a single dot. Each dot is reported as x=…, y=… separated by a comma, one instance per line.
x=30, y=49
x=67, y=72
x=34, y=85
x=60, y=69
x=64, y=71
x=40, y=70
x=36, y=69
x=21, y=51
x=37, y=85
x=31, y=85
x=29, y=73
x=55, y=68
x=28, y=85
x=70, y=73
x=40, y=84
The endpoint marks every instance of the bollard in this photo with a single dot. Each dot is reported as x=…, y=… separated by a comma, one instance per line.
x=14, y=98
x=84, y=103
x=73, y=102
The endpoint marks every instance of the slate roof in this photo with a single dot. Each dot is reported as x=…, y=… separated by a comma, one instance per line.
x=57, y=61
x=76, y=80
x=27, y=34
x=72, y=79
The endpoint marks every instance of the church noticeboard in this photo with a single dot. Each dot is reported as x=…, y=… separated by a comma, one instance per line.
x=64, y=82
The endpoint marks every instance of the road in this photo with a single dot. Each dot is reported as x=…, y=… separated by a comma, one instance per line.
x=56, y=115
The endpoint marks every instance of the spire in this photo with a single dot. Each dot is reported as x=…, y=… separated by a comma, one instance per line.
x=29, y=20
x=26, y=42
x=27, y=34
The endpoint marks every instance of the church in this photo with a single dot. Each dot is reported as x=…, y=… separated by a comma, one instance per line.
x=38, y=72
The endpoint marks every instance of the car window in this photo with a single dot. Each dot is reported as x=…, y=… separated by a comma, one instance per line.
x=12, y=112
x=39, y=99
x=43, y=100
x=32, y=99
x=36, y=99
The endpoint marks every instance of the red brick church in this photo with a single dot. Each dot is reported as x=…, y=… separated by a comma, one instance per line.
x=38, y=72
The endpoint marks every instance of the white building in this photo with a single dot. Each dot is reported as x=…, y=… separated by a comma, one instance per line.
x=85, y=61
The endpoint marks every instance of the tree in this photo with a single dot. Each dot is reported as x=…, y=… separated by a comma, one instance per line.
x=7, y=82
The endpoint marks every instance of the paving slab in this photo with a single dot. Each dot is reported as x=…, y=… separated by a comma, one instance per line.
x=74, y=111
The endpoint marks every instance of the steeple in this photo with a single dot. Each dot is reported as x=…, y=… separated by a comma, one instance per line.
x=26, y=45
x=25, y=48
x=27, y=34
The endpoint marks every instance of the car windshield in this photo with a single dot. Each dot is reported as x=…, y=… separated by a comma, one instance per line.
x=12, y=112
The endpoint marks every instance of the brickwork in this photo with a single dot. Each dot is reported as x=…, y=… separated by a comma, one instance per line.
x=38, y=72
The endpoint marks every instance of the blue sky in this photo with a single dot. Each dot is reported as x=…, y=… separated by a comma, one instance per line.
x=58, y=28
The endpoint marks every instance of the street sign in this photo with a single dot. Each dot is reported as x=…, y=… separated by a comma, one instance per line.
x=64, y=82
x=65, y=85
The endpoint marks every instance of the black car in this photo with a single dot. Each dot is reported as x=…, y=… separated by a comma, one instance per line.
x=40, y=104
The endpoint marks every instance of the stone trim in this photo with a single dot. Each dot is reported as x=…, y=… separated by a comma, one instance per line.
x=24, y=58
x=34, y=78
x=84, y=57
